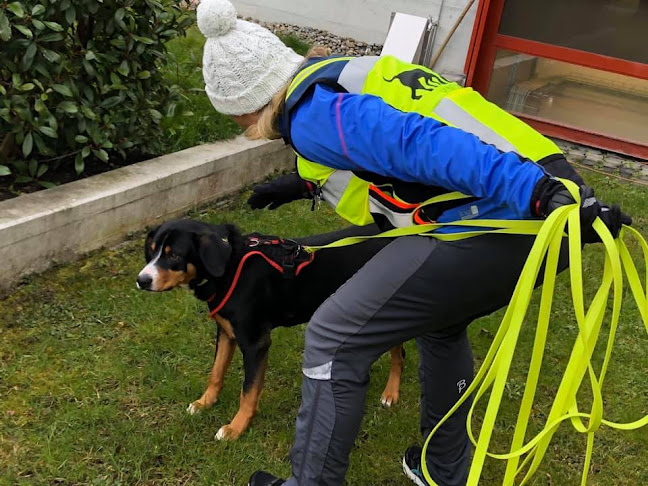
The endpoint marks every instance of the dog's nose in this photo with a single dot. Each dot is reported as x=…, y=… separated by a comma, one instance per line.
x=144, y=282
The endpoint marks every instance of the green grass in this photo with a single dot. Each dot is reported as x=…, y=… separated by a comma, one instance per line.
x=295, y=44
x=95, y=378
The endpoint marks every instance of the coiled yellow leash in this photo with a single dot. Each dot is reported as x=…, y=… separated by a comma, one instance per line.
x=495, y=368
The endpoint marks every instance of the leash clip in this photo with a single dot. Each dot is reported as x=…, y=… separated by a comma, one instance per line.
x=288, y=262
x=317, y=197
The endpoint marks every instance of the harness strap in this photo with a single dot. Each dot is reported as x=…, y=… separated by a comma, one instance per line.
x=253, y=243
x=402, y=214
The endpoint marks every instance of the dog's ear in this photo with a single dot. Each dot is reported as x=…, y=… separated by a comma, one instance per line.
x=149, y=250
x=214, y=250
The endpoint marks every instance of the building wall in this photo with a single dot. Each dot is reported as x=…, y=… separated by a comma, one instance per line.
x=368, y=20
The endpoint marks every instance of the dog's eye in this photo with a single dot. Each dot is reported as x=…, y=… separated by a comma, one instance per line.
x=173, y=256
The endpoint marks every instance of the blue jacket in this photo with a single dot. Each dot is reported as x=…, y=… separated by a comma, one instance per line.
x=363, y=133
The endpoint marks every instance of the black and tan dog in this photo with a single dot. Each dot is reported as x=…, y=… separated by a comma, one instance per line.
x=253, y=284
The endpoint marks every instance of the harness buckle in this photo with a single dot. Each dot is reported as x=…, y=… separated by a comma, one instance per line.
x=288, y=262
x=253, y=242
x=288, y=265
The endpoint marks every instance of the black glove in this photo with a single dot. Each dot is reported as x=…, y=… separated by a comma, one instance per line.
x=613, y=218
x=550, y=194
x=282, y=190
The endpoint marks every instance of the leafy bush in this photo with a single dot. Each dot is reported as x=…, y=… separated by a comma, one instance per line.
x=82, y=79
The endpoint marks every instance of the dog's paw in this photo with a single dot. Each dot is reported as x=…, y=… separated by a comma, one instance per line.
x=389, y=398
x=200, y=405
x=227, y=432
x=194, y=408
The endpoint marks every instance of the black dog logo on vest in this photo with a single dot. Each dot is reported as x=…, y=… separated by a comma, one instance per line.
x=418, y=79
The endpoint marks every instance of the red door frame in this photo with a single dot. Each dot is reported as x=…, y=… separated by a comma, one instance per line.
x=485, y=42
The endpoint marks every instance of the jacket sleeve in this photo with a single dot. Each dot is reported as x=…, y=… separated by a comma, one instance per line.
x=361, y=132
x=557, y=166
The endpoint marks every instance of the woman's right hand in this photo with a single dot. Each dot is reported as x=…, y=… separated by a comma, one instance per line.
x=279, y=191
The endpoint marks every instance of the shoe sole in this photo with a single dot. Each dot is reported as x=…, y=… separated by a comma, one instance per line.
x=413, y=477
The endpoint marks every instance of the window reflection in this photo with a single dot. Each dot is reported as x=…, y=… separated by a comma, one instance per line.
x=584, y=98
x=616, y=28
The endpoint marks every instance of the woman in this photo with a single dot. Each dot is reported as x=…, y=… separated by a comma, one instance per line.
x=374, y=139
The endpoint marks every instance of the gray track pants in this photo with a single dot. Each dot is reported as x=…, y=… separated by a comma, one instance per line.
x=416, y=287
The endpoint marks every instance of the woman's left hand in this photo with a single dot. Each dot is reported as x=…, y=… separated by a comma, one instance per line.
x=550, y=194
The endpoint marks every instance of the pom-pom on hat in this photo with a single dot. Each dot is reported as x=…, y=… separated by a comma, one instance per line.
x=244, y=65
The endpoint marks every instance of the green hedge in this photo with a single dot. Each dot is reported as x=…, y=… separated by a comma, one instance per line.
x=82, y=79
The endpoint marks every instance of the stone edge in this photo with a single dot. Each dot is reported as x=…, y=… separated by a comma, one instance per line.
x=60, y=224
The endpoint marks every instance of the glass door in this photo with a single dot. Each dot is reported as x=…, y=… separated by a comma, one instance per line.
x=575, y=69
x=614, y=28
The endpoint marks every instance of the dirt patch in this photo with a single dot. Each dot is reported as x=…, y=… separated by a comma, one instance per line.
x=63, y=172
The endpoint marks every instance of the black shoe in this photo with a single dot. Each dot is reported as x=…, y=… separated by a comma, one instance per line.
x=412, y=465
x=262, y=478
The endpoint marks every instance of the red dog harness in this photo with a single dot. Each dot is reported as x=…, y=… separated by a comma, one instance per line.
x=292, y=255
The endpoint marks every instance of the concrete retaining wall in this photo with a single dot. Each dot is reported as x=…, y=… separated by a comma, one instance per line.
x=61, y=223
x=368, y=20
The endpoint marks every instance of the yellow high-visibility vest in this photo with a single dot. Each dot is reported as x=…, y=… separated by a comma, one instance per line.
x=408, y=88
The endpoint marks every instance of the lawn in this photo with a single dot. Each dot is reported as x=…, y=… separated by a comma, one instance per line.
x=95, y=377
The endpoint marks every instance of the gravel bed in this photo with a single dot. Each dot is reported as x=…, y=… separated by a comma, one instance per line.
x=315, y=37
x=338, y=45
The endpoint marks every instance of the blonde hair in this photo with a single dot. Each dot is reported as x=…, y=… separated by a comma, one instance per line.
x=266, y=125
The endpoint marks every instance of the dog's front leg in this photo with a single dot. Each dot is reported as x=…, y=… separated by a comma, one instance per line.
x=392, y=389
x=225, y=346
x=255, y=362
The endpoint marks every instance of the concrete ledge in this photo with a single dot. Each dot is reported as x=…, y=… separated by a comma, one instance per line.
x=63, y=222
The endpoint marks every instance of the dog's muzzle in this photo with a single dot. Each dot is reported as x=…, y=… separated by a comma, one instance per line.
x=144, y=282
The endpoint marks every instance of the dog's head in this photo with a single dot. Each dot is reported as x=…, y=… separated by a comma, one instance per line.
x=181, y=251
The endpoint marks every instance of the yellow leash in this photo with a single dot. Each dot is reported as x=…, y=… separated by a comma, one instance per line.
x=495, y=368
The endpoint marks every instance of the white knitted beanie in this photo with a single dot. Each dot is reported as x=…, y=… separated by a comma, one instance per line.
x=244, y=65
